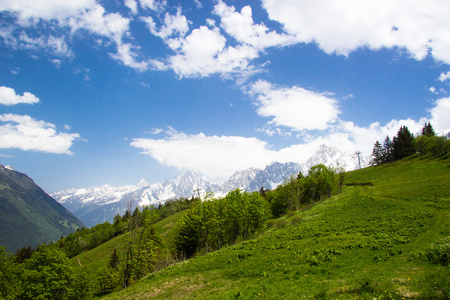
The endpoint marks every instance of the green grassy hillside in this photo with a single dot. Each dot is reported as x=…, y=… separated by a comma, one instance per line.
x=383, y=240
x=98, y=257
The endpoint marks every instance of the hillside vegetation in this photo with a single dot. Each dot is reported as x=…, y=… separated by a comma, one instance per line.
x=28, y=215
x=386, y=236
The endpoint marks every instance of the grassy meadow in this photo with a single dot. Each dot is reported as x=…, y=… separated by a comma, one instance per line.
x=386, y=236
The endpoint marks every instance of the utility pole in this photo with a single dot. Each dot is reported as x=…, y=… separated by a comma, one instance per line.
x=359, y=159
x=198, y=191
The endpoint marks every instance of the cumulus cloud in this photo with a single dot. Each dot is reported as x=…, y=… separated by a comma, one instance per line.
x=344, y=26
x=220, y=156
x=26, y=133
x=9, y=97
x=241, y=27
x=132, y=5
x=215, y=156
x=154, y=5
x=203, y=53
x=294, y=107
x=173, y=25
x=440, y=115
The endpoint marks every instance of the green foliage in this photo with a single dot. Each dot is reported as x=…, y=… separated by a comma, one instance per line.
x=10, y=284
x=108, y=278
x=361, y=244
x=403, y=144
x=47, y=275
x=434, y=145
x=439, y=252
x=300, y=190
x=214, y=222
x=28, y=215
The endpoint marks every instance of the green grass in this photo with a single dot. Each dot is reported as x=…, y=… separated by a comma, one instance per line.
x=98, y=257
x=366, y=243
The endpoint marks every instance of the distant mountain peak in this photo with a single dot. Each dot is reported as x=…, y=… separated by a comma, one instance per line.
x=95, y=205
x=142, y=183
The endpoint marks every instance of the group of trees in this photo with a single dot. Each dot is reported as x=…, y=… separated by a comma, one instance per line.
x=405, y=144
x=300, y=190
x=212, y=223
x=46, y=273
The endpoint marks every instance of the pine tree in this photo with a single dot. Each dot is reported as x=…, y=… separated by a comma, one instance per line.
x=114, y=260
x=377, y=154
x=388, y=146
x=428, y=130
x=403, y=145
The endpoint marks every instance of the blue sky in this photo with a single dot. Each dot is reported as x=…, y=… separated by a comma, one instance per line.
x=95, y=92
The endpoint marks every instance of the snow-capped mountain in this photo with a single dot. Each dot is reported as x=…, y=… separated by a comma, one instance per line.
x=99, y=204
x=273, y=175
x=332, y=157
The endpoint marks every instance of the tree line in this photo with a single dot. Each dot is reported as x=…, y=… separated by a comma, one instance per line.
x=47, y=273
x=405, y=144
x=213, y=223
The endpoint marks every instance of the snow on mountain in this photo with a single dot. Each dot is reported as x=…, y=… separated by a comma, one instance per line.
x=273, y=175
x=331, y=157
x=99, y=204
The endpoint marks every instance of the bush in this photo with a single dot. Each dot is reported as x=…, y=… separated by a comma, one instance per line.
x=439, y=252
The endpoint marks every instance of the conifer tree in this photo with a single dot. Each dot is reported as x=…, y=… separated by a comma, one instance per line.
x=403, y=145
x=378, y=155
x=428, y=130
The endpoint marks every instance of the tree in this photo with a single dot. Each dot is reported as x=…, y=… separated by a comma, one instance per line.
x=10, y=284
x=428, y=130
x=48, y=274
x=378, y=155
x=388, y=150
x=403, y=145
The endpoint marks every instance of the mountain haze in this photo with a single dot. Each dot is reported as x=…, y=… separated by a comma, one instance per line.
x=99, y=204
x=28, y=215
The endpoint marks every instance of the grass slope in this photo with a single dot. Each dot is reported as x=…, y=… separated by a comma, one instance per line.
x=98, y=257
x=364, y=243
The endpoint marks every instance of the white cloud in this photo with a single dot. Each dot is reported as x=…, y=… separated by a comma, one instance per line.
x=294, y=107
x=68, y=16
x=440, y=115
x=132, y=5
x=444, y=76
x=204, y=52
x=421, y=27
x=26, y=133
x=9, y=97
x=115, y=27
x=173, y=25
x=220, y=156
x=241, y=27
x=154, y=5
x=32, y=10
x=216, y=156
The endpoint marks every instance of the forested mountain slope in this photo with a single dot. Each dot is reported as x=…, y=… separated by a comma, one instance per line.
x=29, y=216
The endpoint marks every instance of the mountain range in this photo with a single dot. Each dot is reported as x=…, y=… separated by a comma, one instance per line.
x=29, y=216
x=99, y=204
